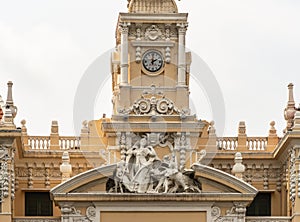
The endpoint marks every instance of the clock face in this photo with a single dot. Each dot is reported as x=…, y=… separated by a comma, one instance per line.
x=152, y=61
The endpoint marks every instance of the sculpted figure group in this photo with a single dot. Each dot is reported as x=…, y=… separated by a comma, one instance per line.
x=143, y=172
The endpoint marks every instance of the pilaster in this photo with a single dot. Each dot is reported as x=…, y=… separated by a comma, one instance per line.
x=124, y=29
x=182, y=27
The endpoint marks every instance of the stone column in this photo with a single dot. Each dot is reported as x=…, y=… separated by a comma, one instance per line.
x=181, y=54
x=123, y=28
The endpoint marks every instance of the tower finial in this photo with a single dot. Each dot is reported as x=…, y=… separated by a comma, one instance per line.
x=9, y=100
x=290, y=110
x=291, y=102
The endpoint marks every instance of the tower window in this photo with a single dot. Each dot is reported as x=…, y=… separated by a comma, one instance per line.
x=38, y=204
x=261, y=205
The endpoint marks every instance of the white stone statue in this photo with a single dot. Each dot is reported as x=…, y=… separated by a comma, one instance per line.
x=143, y=172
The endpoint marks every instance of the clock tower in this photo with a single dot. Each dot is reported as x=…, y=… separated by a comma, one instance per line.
x=150, y=53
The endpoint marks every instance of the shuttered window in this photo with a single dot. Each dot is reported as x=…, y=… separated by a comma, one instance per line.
x=38, y=204
x=261, y=205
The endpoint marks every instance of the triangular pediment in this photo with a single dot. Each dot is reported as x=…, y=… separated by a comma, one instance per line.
x=213, y=181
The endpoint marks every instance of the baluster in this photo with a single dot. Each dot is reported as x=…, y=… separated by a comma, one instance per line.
x=257, y=147
x=37, y=141
x=61, y=144
x=29, y=143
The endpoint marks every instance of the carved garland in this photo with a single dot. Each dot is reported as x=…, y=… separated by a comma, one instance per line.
x=292, y=176
x=4, y=173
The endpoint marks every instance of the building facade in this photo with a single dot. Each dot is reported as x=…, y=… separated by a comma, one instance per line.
x=152, y=160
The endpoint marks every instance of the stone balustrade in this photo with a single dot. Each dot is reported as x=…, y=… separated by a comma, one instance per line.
x=72, y=142
x=257, y=143
x=45, y=143
x=37, y=219
x=227, y=143
x=268, y=219
x=39, y=142
x=252, y=143
x=69, y=142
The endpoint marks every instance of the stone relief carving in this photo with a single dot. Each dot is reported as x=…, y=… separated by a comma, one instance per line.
x=153, y=33
x=71, y=214
x=4, y=172
x=37, y=220
x=153, y=106
x=3, y=153
x=235, y=214
x=4, y=180
x=143, y=172
x=154, y=103
x=91, y=213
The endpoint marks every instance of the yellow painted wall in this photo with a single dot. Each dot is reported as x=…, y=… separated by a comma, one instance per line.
x=152, y=216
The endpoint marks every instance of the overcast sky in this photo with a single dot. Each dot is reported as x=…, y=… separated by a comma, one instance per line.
x=251, y=46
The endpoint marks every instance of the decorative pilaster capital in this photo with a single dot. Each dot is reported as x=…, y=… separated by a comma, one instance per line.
x=124, y=27
x=182, y=27
x=240, y=208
